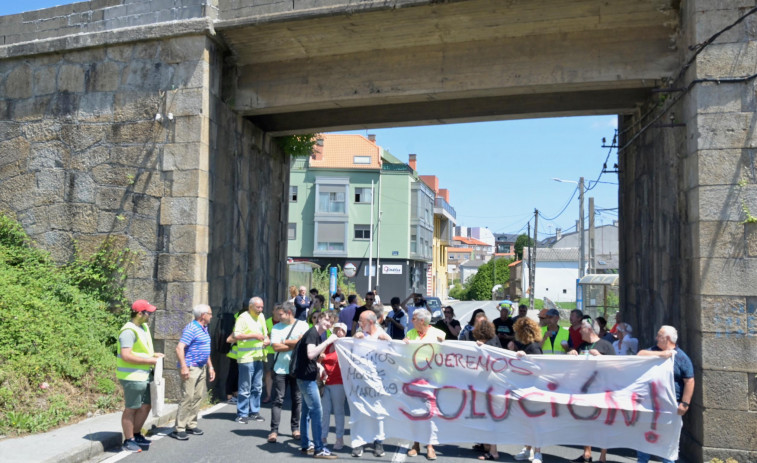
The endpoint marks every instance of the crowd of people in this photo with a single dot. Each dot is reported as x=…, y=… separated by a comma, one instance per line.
x=292, y=352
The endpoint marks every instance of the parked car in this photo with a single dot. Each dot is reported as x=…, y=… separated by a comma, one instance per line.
x=434, y=305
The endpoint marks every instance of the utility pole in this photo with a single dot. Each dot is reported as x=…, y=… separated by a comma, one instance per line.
x=494, y=275
x=532, y=261
x=370, y=246
x=530, y=257
x=592, y=260
x=582, y=251
x=378, y=236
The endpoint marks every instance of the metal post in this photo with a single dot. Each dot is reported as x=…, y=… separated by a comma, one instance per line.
x=592, y=256
x=370, y=246
x=582, y=250
x=532, y=259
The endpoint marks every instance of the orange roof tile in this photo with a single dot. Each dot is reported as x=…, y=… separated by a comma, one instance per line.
x=339, y=151
x=459, y=250
x=470, y=241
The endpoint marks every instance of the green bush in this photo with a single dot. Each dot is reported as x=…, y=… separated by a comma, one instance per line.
x=58, y=332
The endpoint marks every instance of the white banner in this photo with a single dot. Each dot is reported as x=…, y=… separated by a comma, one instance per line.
x=459, y=392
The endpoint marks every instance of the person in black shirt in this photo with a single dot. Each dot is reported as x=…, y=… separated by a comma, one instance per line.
x=396, y=321
x=449, y=324
x=369, y=299
x=306, y=371
x=593, y=345
x=504, y=325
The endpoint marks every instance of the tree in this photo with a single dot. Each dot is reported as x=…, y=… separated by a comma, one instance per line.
x=479, y=286
x=521, y=242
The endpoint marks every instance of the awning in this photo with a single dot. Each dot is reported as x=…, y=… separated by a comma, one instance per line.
x=606, y=279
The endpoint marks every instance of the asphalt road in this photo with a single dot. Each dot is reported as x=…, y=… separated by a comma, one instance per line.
x=226, y=441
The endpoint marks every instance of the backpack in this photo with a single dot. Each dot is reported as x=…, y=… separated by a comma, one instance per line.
x=295, y=356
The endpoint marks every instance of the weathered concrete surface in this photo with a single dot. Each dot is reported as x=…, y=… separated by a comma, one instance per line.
x=687, y=258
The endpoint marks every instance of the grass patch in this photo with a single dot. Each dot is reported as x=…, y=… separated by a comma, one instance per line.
x=58, y=333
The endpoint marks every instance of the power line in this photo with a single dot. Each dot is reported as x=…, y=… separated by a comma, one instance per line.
x=563, y=209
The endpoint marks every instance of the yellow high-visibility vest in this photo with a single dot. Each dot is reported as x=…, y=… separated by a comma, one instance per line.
x=433, y=334
x=142, y=347
x=251, y=349
x=548, y=348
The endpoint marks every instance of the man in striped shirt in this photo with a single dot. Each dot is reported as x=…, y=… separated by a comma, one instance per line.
x=193, y=352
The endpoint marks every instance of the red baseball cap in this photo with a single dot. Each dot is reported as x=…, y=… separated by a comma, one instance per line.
x=142, y=305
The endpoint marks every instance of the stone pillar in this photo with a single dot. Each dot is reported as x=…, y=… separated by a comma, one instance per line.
x=83, y=158
x=687, y=186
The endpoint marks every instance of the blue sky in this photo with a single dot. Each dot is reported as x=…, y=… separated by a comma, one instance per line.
x=498, y=172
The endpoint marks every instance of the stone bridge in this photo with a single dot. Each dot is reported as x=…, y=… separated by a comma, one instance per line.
x=202, y=193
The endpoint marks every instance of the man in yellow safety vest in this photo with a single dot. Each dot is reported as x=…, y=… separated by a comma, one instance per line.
x=251, y=336
x=136, y=359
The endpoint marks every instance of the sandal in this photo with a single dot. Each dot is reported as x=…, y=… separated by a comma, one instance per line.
x=272, y=437
x=431, y=454
x=488, y=456
x=296, y=435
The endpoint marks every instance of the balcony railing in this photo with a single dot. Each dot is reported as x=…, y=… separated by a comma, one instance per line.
x=396, y=167
x=441, y=203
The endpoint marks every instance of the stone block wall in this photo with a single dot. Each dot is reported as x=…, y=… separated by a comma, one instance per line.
x=82, y=158
x=685, y=184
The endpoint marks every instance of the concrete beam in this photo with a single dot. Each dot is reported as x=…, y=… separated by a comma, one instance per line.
x=453, y=111
x=345, y=64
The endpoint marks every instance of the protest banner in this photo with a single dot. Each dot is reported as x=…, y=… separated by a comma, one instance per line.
x=458, y=392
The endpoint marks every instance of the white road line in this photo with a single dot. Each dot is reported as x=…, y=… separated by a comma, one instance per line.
x=123, y=454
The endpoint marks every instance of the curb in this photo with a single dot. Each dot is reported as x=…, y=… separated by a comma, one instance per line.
x=104, y=441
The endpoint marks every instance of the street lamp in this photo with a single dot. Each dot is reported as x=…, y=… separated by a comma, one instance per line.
x=581, y=258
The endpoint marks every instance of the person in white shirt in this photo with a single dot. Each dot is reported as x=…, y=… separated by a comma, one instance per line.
x=626, y=344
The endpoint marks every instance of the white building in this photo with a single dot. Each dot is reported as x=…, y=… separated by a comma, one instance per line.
x=556, y=273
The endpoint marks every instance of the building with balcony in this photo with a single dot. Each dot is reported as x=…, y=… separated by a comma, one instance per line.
x=352, y=202
x=444, y=223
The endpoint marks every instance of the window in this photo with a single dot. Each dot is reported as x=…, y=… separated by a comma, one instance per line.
x=292, y=194
x=331, y=199
x=362, y=195
x=330, y=236
x=362, y=232
x=292, y=231
x=413, y=243
x=361, y=159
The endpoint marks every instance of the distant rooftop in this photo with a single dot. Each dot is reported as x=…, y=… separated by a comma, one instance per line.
x=345, y=152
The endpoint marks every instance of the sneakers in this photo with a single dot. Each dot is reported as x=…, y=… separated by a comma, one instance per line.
x=537, y=458
x=179, y=435
x=378, y=449
x=524, y=454
x=357, y=451
x=339, y=444
x=257, y=417
x=141, y=440
x=242, y=419
x=308, y=450
x=131, y=446
x=325, y=454
x=195, y=431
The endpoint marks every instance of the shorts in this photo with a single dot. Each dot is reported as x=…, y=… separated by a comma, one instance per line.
x=136, y=393
x=268, y=364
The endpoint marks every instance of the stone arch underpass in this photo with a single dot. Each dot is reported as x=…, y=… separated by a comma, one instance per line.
x=202, y=194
